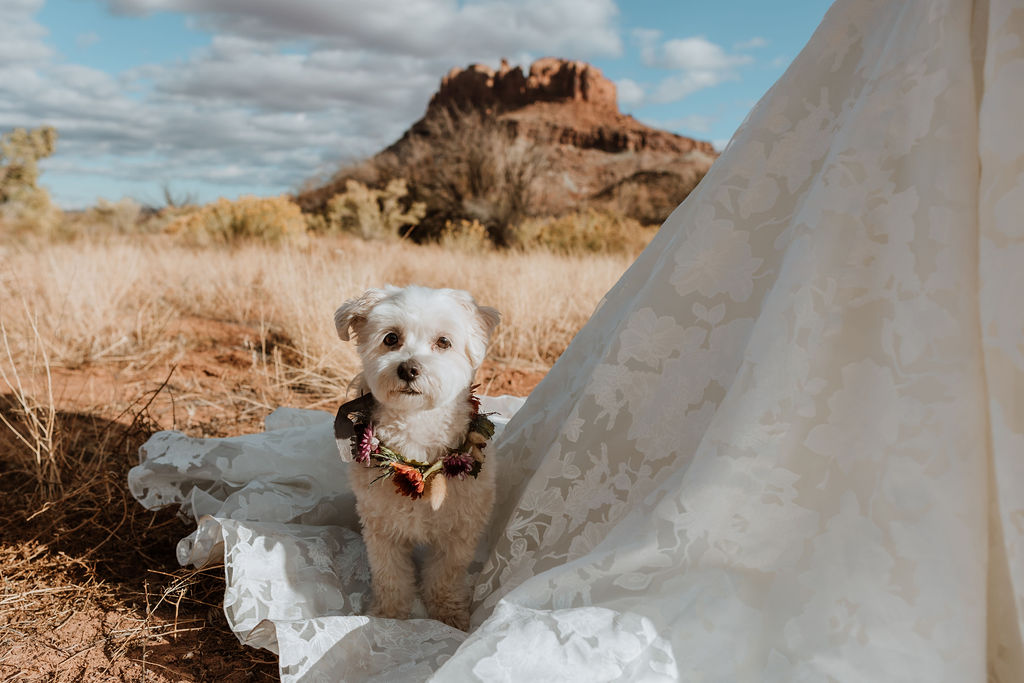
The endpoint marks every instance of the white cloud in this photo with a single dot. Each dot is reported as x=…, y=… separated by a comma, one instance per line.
x=695, y=123
x=647, y=39
x=630, y=93
x=436, y=29
x=678, y=87
x=284, y=90
x=21, y=38
x=751, y=44
x=698, y=54
x=246, y=72
x=697, y=62
x=85, y=40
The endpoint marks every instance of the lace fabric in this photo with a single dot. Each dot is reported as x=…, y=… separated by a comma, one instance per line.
x=789, y=445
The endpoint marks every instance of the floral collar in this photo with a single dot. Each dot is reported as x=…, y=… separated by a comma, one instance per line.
x=353, y=424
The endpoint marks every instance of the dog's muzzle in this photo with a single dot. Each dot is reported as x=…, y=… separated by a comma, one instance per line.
x=409, y=370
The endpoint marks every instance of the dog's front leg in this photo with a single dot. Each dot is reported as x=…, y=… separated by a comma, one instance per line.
x=445, y=592
x=392, y=573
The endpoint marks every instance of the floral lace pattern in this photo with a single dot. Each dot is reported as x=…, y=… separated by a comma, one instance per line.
x=789, y=445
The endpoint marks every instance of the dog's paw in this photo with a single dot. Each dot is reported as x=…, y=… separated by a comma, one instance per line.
x=456, y=617
x=388, y=611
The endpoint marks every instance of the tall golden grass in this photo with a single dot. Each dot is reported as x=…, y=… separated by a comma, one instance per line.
x=115, y=300
x=122, y=301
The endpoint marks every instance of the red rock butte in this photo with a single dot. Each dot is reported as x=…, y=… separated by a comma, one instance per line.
x=560, y=101
x=567, y=111
x=550, y=80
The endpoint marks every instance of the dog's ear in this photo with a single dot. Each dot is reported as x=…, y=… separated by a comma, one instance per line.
x=485, y=319
x=352, y=314
x=488, y=318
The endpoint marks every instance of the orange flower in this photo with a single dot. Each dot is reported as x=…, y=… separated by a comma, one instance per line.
x=408, y=480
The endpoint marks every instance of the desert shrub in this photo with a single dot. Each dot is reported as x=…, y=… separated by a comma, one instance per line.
x=174, y=199
x=317, y=190
x=468, y=165
x=24, y=206
x=648, y=196
x=121, y=217
x=106, y=219
x=225, y=222
x=591, y=230
x=465, y=235
x=372, y=213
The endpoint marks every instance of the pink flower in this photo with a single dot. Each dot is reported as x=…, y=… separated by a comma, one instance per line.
x=364, y=444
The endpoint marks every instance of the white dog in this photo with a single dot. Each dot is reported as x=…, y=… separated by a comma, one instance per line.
x=416, y=438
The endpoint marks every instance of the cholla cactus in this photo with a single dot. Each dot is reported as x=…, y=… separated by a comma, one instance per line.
x=22, y=202
x=20, y=150
x=373, y=214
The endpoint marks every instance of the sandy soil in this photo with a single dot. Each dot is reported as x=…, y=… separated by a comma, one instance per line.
x=89, y=587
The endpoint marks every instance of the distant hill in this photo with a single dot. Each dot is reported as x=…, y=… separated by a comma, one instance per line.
x=567, y=113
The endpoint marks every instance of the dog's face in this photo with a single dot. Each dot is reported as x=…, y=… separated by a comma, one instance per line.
x=420, y=347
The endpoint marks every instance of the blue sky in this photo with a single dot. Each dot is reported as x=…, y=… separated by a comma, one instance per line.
x=227, y=97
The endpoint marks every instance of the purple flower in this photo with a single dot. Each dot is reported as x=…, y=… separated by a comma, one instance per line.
x=457, y=465
x=364, y=443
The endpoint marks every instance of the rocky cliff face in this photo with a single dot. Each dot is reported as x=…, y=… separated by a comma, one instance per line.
x=566, y=112
x=550, y=80
x=559, y=102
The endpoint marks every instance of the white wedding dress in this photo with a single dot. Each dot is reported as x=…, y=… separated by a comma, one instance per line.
x=788, y=446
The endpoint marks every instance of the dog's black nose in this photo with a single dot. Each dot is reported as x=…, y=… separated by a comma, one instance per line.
x=408, y=370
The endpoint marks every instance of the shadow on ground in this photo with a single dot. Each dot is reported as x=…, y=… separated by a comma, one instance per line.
x=89, y=585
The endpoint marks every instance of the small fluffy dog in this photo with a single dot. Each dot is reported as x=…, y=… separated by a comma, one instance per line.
x=417, y=424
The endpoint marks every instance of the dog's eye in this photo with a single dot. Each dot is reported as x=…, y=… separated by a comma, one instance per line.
x=443, y=343
x=390, y=339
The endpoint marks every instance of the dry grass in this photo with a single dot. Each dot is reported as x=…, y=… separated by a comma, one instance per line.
x=82, y=594
x=119, y=301
x=207, y=340
x=36, y=431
